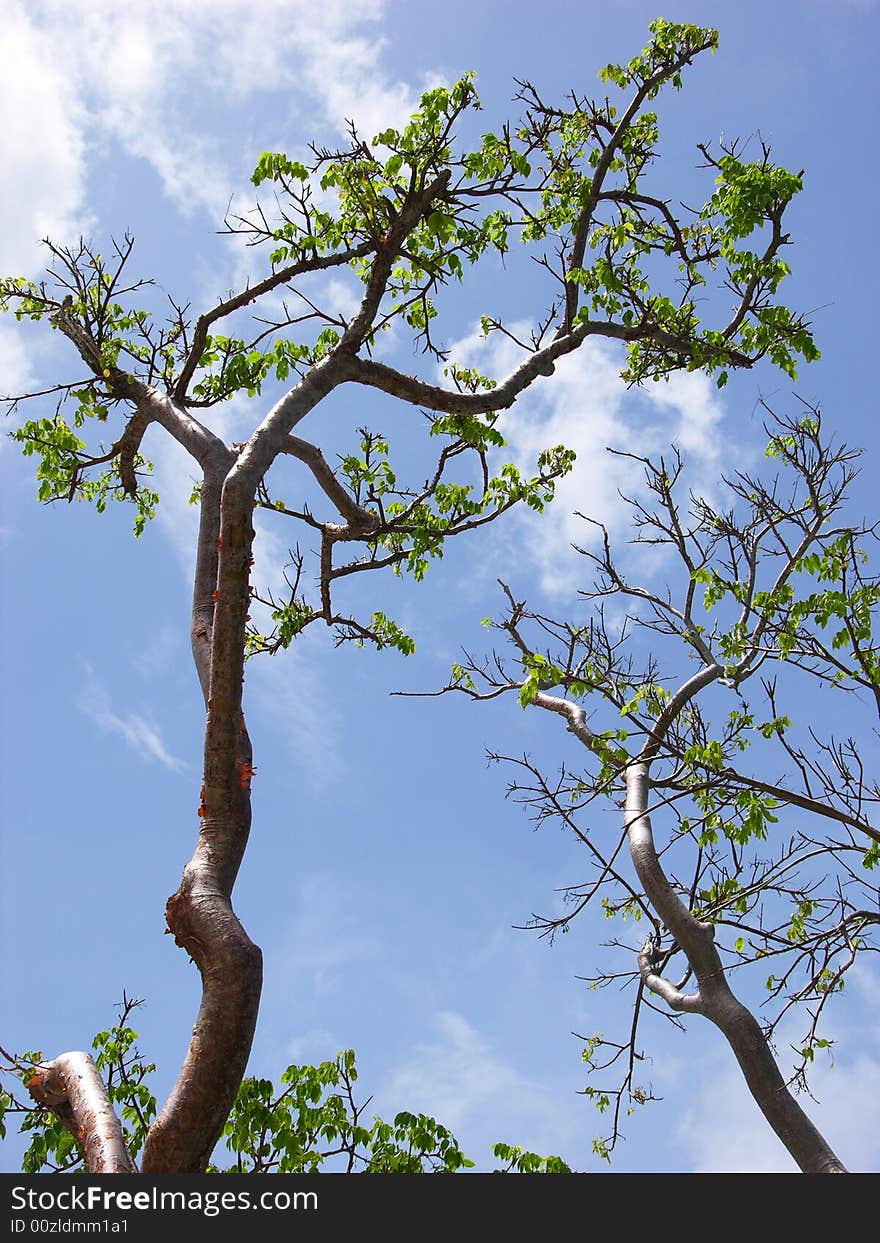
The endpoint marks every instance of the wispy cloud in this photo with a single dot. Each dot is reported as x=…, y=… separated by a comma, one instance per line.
x=16, y=371
x=289, y=689
x=459, y=1078
x=167, y=80
x=138, y=731
x=324, y=939
x=43, y=151
x=726, y=1133
x=317, y=1045
x=159, y=654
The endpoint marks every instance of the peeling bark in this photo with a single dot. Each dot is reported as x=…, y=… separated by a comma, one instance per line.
x=72, y=1088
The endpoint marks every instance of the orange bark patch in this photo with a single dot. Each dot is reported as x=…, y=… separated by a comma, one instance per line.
x=245, y=772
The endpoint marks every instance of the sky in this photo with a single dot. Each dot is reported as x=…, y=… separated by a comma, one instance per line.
x=386, y=874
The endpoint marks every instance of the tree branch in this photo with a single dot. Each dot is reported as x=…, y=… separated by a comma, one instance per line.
x=72, y=1088
x=345, y=503
x=235, y=303
x=540, y=363
x=716, y=1001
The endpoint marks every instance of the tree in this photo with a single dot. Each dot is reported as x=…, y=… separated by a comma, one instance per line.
x=410, y=210
x=752, y=868
x=312, y=1121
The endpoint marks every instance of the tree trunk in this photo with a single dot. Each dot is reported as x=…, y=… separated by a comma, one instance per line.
x=200, y=914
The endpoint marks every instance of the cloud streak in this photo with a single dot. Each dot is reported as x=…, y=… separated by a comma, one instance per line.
x=138, y=731
x=459, y=1078
x=324, y=940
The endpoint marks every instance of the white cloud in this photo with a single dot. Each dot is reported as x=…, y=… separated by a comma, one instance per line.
x=159, y=654
x=691, y=400
x=458, y=1078
x=343, y=73
x=176, y=475
x=727, y=1133
x=290, y=690
x=167, y=81
x=317, y=1045
x=16, y=370
x=138, y=731
x=342, y=297
x=586, y=407
x=41, y=151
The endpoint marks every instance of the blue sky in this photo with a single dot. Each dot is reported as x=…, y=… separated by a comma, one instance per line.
x=385, y=870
